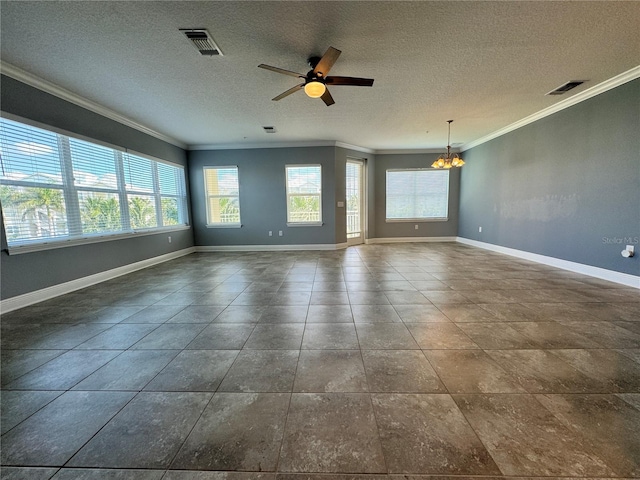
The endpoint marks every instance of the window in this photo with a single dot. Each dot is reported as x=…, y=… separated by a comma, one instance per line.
x=304, y=194
x=59, y=188
x=416, y=194
x=222, y=189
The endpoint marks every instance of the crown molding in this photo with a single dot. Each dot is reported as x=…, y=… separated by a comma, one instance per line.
x=53, y=89
x=355, y=147
x=602, y=87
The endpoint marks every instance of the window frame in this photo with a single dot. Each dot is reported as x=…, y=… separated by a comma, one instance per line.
x=415, y=219
x=207, y=196
x=72, y=192
x=314, y=223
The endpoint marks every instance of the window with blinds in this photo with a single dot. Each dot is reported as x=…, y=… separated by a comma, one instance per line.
x=417, y=194
x=222, y=189
x=58, y=188
x=304, y=194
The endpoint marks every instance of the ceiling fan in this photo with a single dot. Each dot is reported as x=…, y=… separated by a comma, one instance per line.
x=316, y=80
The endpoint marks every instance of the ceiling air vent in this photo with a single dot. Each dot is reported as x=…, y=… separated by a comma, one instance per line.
x=269, y=129
x=566, y=87
x=200, y=38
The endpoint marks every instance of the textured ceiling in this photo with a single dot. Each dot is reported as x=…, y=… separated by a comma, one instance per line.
x=483, y=64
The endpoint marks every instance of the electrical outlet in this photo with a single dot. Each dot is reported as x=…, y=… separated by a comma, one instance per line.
x=480, y=229
x=279, y=233
x=415, y=227
x=270, y=233
x=169, y=238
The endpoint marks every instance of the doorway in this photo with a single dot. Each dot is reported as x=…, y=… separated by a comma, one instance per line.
x=355, y=201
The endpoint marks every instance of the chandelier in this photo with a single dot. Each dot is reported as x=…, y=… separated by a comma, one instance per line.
x=448, y=161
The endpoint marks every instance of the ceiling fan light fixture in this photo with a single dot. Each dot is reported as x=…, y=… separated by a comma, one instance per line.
x=315, y=89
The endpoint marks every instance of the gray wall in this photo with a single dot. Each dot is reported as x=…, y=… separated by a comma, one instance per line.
x=263, y=196
x=383, y=229
x=566, y=186
x=28, y=272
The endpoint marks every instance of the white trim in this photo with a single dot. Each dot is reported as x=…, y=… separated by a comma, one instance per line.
x=53, y=89
x=269, y=248
x=342, y=246
x=566, y=103
x=354, y=147
x=370, y=241
x=37, y=296
x=604, y=274
x=250, y=146
x=401, y=151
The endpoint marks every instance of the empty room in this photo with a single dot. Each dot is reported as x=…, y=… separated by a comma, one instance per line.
x=334, y=240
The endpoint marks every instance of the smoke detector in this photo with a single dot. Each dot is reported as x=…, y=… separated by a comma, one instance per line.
x=202, y=41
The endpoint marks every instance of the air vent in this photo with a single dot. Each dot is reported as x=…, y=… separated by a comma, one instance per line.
x=269, y=129
x=202, y=41
x=566, y=87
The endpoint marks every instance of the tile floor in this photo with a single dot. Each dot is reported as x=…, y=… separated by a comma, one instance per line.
x=375, y=362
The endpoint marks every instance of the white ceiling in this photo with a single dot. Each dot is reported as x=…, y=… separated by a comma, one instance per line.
x=484, y=64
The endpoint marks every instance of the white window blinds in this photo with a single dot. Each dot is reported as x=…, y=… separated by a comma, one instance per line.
x=56, y=187
x=304, y=194
x=417, y=195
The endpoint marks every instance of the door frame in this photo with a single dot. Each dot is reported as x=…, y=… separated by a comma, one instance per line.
x=363, y=201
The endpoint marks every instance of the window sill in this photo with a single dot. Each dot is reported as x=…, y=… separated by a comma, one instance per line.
x=306, y=224
x=415, y=220
x=72, y=242
x=224, y=225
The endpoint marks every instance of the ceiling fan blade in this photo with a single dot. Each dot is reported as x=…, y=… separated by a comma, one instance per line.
x=327, y=98
x=327, y=61
x=280, y=70
x=359, y=82
x=288, y=92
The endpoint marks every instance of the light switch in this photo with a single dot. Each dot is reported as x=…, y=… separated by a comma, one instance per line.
x=340, y=204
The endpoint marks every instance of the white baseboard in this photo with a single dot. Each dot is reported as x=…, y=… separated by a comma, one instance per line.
x=269, y=248
x=30, y=298
x=603, y=273
x=370, y=241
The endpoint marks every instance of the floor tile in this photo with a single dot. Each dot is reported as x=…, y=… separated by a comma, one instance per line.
x=155, y=314
x=367, y=298
x=240, y=314
x=18, y=405
x=237, y=431
x=170, y=337
x=131, y=370
x=374, y=314
x=525, y=439
x=321, y=371
x=401, y=371
x=261, y=371
x=540, y=371
x=103, y=474
x=333, y=336
x=440, y=336
x=427, y=434
x=27, y=473
x=285, y=336
x=606, y=334
x=222, y=337
x=329, y=298
x=65, y=371
x=15, y=363
x=471, y=371
x=284, y=314
x=331, y=432
x=552, y=335
x=420, y=313
x=197, y=314
x=329, y=314
x=147, y=433
x=118, y=337
x=467, y=313
x=620, y=373
x=611, y=425
x=385, y=336
x=496, y=336
x=52, y=435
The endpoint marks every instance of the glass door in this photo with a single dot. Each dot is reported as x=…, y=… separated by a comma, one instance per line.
x=355, y=202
